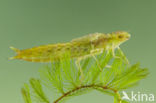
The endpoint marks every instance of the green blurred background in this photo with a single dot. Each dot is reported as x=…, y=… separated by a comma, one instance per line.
x=28, y=23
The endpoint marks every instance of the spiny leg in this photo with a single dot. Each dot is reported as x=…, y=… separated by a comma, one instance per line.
x=79, y=68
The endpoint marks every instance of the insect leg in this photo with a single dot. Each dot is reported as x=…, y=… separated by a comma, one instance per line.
x=79, y=67
x=113, y=53
x=97, y=62
x=93, y=52
x=123, y=55
x=107, y=65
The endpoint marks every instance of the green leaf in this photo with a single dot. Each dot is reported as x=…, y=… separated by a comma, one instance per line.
x=26, y=94
x=35, y=84
x=64, y=77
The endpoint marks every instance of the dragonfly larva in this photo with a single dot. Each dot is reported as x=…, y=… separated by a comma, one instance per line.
x=80, y=48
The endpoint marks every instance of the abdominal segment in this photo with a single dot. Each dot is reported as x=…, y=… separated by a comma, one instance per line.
x=52, y=52
x=45, y=53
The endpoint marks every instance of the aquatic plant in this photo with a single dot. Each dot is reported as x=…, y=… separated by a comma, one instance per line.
x=64, y=79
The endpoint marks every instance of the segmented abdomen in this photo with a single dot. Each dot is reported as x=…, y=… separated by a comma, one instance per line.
x=53, y=52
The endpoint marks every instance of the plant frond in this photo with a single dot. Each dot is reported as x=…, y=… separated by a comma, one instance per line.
x=26, y=94
x=64, y=79
x=37, y=88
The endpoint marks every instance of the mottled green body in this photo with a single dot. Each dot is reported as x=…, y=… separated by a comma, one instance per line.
x=78, y=48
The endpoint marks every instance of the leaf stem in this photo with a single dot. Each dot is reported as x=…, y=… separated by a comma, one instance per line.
x=88, y=86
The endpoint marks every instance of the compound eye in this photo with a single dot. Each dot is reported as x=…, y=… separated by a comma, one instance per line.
x=120, y=36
